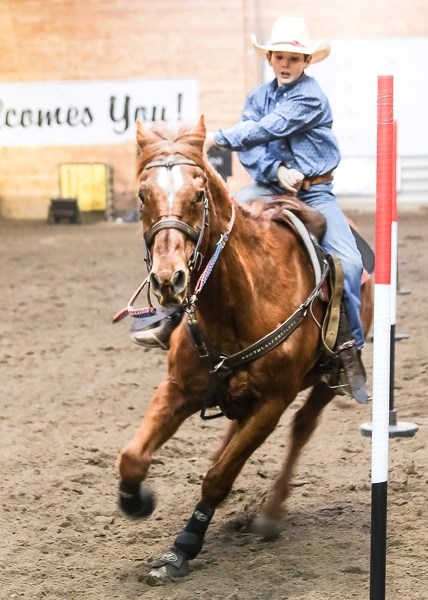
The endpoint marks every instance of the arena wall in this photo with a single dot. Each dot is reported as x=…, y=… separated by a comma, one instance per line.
x=206, y=40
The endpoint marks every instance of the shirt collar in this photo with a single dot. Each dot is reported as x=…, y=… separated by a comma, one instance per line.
x=276, y=89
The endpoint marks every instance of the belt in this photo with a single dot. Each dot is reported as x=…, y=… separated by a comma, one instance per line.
x=316, y=179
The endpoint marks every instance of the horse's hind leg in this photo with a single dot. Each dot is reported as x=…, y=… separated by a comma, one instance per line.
x=305, y=422
x=228, y=435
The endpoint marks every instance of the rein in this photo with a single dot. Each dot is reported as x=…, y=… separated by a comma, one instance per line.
x=208, y=269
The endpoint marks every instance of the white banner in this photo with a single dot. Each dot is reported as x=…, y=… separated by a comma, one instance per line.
x=82, y=113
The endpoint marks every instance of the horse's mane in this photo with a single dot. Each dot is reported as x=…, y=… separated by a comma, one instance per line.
x=163, y=142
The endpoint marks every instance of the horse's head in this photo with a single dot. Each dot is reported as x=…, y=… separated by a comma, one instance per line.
x=172, y=192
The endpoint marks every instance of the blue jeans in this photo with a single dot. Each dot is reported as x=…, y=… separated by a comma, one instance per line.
x=338, y=240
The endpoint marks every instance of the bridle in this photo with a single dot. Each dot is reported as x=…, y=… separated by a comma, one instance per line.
x=196, y=257
x=195, y=235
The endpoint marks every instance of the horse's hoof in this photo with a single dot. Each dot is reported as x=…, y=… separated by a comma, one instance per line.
x=160, y=576
x=266, y=527
x=171, y=566
x=136, y=501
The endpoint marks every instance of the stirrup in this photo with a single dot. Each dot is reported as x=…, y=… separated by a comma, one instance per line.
x=158, y=333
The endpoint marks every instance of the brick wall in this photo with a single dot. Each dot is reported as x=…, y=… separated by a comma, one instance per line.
x=51, y=40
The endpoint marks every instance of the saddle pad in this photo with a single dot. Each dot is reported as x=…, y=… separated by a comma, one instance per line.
x=366, y=252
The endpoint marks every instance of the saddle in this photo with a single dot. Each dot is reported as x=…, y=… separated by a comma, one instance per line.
x=312, y=219
x=340, y=361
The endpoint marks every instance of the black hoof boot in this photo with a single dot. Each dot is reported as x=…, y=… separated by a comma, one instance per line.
x=173, y=564
x=136, y=501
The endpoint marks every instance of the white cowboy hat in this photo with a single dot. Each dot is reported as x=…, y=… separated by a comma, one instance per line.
x=290, y=34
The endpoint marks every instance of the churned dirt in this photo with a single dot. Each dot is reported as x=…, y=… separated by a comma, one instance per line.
x=73, y=389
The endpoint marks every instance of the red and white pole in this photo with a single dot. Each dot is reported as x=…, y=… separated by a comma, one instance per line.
x=384, y=420
x=396, y=428
x=394, y=273
x=381, y=336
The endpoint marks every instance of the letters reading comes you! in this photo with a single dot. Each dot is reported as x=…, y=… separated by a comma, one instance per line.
x=29, y=117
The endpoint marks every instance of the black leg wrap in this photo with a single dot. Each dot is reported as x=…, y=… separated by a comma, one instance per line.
x=191, y=539
x=136, y=501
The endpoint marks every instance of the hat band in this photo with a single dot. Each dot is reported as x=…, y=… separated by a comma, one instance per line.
x=293, y=43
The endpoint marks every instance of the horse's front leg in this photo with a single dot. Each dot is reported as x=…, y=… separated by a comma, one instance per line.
x=166, y=412
x=243, y=439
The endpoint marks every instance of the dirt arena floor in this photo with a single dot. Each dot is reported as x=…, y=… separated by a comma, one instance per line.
x=73, y=388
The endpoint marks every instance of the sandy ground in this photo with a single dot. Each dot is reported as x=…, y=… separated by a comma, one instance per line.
x=73, y=388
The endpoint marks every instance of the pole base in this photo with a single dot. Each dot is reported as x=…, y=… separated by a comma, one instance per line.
x=402, y=292
x=401, y=336
x=400, y=429
x=397, y=337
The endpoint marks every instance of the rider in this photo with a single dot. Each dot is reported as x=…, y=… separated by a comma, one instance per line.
x=285, y=141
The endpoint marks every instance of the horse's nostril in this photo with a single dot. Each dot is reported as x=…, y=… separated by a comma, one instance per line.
x=179, y=281
x=154, y=282
x=166, y=285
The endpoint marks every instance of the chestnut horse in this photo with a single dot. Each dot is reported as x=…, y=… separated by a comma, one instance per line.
x=240, y=275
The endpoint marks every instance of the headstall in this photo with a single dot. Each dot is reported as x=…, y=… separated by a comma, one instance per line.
x=195, y=235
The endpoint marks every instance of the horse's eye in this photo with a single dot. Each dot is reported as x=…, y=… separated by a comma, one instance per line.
x=199, y=197
x=142, y=196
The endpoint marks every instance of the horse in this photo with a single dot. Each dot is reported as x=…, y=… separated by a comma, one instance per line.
x=240, y=274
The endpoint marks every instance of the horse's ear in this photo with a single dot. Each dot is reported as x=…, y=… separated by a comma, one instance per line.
x=200, y=126
x=200, y=129
x=144, y=134
x=198, y=133
x=141, y=133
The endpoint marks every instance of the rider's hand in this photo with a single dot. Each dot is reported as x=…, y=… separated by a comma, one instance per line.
x=290, y=179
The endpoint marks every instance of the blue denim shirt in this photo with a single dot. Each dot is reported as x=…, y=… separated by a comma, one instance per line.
x=289, y=125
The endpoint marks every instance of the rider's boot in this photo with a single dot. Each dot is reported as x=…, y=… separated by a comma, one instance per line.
x=158, y=334
x=353, y=376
